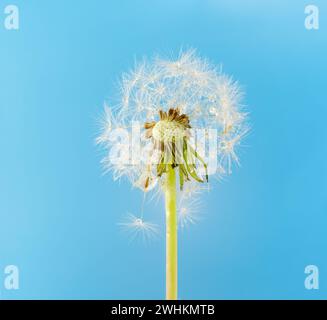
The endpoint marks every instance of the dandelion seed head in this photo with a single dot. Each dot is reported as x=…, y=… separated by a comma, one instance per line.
x=192, y=87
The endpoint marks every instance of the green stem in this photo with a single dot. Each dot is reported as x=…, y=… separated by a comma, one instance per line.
x=171, y=235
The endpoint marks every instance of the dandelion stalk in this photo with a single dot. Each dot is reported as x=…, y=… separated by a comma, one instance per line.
x=171, y=235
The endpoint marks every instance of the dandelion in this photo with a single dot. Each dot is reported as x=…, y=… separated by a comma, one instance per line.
x=177, y=124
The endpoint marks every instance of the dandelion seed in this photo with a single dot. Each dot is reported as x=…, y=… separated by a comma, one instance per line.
x=192, y=189
x=188, y=212
x=137, y=227
x=227, y=148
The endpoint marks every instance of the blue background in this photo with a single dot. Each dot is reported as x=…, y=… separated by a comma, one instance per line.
x=59, y=214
